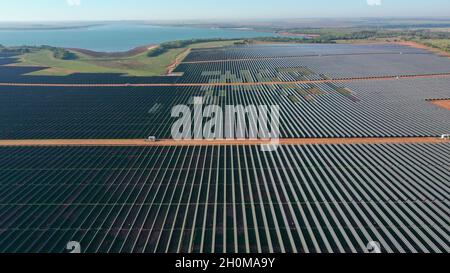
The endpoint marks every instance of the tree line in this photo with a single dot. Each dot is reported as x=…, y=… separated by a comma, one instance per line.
x=58, y=52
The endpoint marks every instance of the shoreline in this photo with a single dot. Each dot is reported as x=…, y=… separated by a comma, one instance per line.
x=46, y=27
x=119, y=54
x=297, y=35
x=136, y=48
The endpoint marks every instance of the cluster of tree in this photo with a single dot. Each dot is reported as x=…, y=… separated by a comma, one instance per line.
x=359, y=35
x=333, y=35
x=426, y=34
x=16, y=50
x=63, y=54
x=325, y=36
x=286, y=40
x=445, y=47
x=164, y=47
x=330, y=35
x=58, y=53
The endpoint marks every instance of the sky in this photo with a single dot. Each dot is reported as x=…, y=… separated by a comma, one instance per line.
x=98, y=10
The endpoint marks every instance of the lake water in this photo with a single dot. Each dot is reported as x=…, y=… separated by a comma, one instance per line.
x=117, y=37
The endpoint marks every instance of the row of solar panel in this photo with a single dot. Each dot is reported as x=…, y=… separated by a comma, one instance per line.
x=360, y=109
x=327, y=198
x=295, y=50
x=314, y=68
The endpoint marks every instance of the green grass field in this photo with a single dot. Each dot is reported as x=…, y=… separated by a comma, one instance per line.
x=138, y=65
x=443, y=44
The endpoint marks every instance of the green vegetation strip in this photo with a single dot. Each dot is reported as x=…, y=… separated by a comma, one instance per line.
x=138, y=65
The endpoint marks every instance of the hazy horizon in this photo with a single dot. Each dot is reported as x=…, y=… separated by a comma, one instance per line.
x=200, y=10
x=437, y=18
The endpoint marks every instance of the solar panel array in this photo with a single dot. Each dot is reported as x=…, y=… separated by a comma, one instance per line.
x=360, y=109
x=17, y=74
x=5, y=61
x=84, y=113
x=313, y=198
x=21, y=74
x=366, y=109
x=323, y=67
x=325, y=198
x=338, y=67
x=7, y=54
x=295, y=50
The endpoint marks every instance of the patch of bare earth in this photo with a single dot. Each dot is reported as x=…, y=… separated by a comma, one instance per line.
x=442, y=103
x=245, y=142
x=177, y=61
x=421, y=46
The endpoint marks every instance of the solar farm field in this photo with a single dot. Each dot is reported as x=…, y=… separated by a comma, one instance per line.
x=265, y=63
x=324, y=198
x=314, y=68
x=89, y=113
x=9, y=73
x=359, y=109
x=363, y=109
x=4, y=61
x=6, y=54
x=295, y=50
x=231, y=196
x=16, y=74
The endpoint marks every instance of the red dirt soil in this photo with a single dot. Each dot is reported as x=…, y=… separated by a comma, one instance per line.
x=442, y=103
x=421, y=46
x=170, y=142
x=177, y=61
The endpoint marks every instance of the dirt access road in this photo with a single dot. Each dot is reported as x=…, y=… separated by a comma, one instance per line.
x=170, y=142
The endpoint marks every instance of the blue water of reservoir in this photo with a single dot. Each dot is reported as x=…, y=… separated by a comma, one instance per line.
x=116, y=37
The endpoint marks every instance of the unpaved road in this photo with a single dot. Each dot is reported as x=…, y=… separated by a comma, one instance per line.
x=170, y=142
